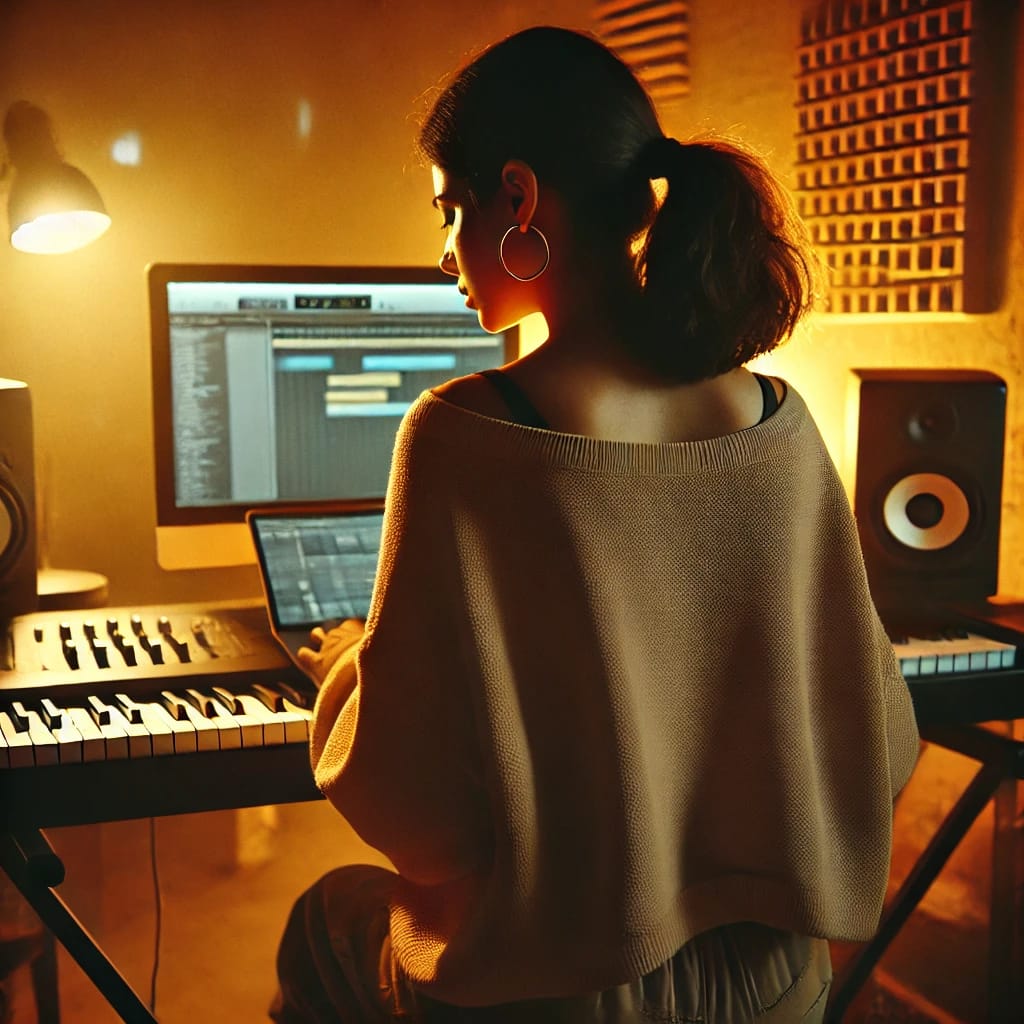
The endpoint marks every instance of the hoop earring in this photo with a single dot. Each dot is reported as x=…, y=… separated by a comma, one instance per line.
x=504, y=264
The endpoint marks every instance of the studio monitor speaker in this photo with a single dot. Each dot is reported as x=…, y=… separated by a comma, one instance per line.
x=17, y=502
x=929, y=485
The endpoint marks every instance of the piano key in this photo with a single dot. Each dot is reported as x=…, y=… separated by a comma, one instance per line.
x=140, y=743
x=70, y=744
x=160, y=733
x=44, y=746
x=229, y=736
x=276, y=707
x=58, y=721
x=206, y=732
x=94, y=744
x=252, y=726
x=951, y=652
x=19, y=746
x=183, y=735
x=303, y=714
x=52, y=715
x=5, y=756
x=114, y=737
x=273, y=726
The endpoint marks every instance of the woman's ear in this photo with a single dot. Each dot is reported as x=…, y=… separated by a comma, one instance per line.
x=519, y=186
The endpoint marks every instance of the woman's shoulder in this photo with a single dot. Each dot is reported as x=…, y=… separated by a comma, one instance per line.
x=475, y=393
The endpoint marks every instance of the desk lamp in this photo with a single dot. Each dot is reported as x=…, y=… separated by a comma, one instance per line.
x=52, y=207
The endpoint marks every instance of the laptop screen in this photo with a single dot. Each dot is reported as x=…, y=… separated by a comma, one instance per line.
x=318, y=567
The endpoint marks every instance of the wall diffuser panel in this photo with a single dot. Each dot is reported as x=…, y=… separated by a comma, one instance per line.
x=890, y=162
x=652, y=38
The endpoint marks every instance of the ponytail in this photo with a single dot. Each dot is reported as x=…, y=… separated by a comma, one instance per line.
x=725, y=267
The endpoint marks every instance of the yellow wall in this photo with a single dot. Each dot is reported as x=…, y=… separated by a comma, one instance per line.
x=213, y=89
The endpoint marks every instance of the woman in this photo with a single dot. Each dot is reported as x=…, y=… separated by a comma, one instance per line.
x=623, y=715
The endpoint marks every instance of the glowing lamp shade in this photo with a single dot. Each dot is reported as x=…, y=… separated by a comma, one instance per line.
x=54, y=208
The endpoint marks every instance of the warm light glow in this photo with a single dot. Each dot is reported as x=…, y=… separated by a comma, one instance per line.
x=53, y=233
x=304, y=119
x=533, y=332
x=127, y=150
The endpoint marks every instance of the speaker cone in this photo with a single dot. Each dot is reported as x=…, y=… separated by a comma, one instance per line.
x=926, y=511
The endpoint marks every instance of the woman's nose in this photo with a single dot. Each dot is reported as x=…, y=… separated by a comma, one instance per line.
x=447, y=263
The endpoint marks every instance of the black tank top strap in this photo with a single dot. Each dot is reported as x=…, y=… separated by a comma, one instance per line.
x=522, y=409
x=768, y=396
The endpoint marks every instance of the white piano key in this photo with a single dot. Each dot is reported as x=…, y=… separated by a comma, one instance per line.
x=206, y=732
x=5, y=756
x=229, y=735
x=114, y=737
x=19, y=746
x=140, y=743
x=294, y=718
x=44, y=746
x=94, y=744
x=304, y=715
x=250, y=726
x=70, y=744
x=273, y=725
x=160, y=735
x=952, y=654
x=183, y=734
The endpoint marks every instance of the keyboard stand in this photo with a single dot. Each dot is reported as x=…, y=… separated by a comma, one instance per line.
x=36, y=870
x=1002, y=765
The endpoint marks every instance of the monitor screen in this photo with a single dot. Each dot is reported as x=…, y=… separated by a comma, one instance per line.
x=286, y=384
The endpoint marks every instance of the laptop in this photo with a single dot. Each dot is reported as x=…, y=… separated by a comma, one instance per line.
x=317, y=567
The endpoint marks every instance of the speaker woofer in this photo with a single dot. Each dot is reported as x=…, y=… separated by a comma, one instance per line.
x=914, y=530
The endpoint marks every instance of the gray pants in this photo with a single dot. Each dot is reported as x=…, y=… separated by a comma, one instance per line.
x=335, y=967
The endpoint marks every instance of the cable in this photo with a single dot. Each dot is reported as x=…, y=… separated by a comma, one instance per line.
x=158, y=903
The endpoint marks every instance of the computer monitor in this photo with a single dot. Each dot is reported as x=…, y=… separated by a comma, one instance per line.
x=286, y=384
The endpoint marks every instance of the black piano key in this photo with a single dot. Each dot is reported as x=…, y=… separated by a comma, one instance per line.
x=19, y=715
x=52, y=715
x=273, y=699
x=130, y=710
x=175, y=706
x=100, y=712
x=227, y=698
x=205, y=704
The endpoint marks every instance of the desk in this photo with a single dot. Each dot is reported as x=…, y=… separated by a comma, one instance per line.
x=956, y=714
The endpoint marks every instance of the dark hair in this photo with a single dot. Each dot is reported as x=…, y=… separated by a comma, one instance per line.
x=716, y=273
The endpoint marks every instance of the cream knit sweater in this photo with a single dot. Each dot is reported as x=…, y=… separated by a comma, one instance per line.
x=611, y=695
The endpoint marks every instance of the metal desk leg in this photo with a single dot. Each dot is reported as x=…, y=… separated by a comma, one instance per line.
x=35, y=869
x=44, y=982
x=1003, y=907
x=952, y=830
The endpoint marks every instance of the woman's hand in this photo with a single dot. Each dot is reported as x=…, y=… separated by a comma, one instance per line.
x=328, y=645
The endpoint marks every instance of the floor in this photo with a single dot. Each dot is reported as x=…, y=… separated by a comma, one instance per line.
x=227, y=881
